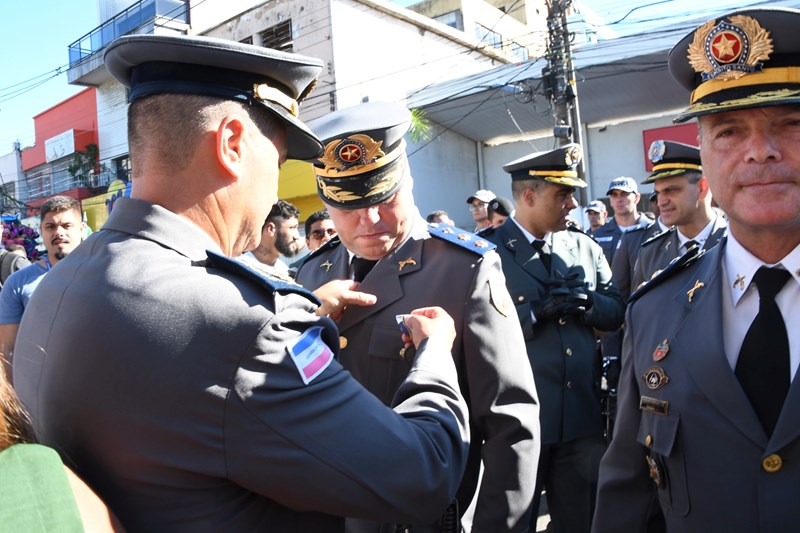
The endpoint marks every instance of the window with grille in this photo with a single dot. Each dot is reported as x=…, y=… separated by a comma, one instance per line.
x=454, y=19
x=247, y=40
x=491, y=38
x=278, y=37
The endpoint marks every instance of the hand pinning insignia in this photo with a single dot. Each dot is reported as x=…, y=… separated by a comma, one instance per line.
x=327, y=265
x=402, y=264
x=697, y=285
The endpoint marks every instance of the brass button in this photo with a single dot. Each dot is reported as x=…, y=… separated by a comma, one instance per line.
x=342, y=343
x=568, y=351
x=520, y=298
x=772, y=463
x=648, y=441
x=569, y=384
x=562, y=320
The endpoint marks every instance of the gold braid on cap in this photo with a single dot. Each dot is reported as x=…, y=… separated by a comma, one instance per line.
x=265, y=93
x=671, y=166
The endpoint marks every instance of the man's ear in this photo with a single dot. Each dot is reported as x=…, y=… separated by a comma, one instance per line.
x=229, y=141
x=529, y=196
x=704, y=188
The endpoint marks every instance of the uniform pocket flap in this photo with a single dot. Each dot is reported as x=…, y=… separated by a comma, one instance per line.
x=658, y=432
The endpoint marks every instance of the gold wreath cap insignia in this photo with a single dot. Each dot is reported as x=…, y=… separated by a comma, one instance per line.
x=758, y=47
x=332, y=161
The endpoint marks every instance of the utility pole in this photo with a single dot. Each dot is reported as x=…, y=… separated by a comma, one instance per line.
x=560, y=87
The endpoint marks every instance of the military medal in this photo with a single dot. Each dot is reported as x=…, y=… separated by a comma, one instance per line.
x=661, y=351
x=697, y=285
x=655, y=378
x=655, y=471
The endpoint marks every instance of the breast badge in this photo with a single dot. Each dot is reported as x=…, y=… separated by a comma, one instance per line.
x=661, y=351
x=655, y=378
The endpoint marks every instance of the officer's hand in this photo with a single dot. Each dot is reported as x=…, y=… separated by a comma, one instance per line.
x=338, y=294
x=431, y=322
x=551, y=307
x=581, y=298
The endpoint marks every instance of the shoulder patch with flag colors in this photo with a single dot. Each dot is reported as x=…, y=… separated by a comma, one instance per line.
x=310, y=354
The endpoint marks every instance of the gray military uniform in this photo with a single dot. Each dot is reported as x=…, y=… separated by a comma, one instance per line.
x=490, y=355
x=708, y=449
x=172, y=380
x=656, y=253
x=609, y=234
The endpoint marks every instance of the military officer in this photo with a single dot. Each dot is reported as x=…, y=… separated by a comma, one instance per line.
x=561, y=286
x=191, y=393
x=684, y=201
x=709, y=407
x=365, y=180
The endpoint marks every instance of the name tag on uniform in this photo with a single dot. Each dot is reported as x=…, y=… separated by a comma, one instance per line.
x=310, y=354
x=653, y=405
x=604, y=239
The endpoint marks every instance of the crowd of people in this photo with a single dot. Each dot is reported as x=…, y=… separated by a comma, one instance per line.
x=400, y=374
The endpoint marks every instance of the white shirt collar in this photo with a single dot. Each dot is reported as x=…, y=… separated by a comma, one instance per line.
x=701, y=237
x=548, y=237
x=741, y=266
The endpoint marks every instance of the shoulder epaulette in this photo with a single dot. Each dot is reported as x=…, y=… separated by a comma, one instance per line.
x=232, y=266
x=659, y=236
x=676, y=265
x=464, y=239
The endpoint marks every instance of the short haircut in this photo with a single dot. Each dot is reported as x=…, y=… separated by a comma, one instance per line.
x=281, y=212
x=315, y=217
x=694, y=177
x=519, y=186
x=59, y=204
x=170, y=126
x=434, y=214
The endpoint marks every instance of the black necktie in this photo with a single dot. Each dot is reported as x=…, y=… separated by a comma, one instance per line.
x=763, y=365
x=361, y=268
x=688, y=244
x=544, y=252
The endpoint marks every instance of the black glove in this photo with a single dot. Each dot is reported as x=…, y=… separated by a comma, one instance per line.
x=562, y=302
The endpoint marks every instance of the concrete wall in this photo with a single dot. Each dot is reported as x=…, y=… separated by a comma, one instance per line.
x=112, y=120
x=445, y=173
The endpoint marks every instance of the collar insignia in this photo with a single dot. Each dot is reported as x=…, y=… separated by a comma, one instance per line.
x=327, y=265
x=510, y=242
x=697, y=285
x=729, y=50
x=739, y=281
x=402, y=264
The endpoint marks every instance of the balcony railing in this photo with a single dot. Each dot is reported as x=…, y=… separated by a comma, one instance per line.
x=139, y=15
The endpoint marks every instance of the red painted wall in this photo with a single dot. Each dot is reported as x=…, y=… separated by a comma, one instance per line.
x=682, y=133
x=78, y=113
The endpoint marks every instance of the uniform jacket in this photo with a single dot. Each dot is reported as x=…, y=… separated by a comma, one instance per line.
x=656, y=253
x=466, y=280
x=630, y=243
x=608, y=235
x=165, y=375
x=709, y=450
x=563, y=356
